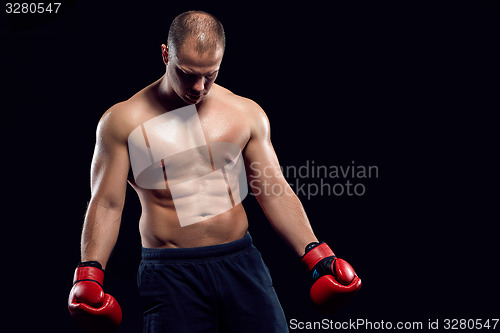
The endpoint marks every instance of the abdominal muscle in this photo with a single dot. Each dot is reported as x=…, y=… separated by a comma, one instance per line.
x=160, y=227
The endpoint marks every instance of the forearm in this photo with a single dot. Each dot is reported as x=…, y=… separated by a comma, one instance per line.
x=288, y=218
x=100, y=232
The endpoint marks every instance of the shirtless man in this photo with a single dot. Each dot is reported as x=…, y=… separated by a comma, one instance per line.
x=200, y=271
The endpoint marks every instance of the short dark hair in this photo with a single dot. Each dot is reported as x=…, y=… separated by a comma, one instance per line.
x=205, y=27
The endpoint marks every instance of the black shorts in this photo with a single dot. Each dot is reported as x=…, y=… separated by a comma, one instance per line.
x=212, y=289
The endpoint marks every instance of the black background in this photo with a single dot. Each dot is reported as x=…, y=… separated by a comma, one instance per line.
x=410, y=87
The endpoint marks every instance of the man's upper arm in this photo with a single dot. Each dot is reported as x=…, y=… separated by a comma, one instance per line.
x=110, y=163
x=262, y=165
x=259, y=149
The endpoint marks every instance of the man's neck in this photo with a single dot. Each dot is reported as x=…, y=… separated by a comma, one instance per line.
x=167, y=96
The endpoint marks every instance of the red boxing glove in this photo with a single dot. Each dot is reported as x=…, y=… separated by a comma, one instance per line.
x=88, y=304
x=334, y=280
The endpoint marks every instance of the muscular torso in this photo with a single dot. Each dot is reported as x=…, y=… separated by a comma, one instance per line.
x=189, y=203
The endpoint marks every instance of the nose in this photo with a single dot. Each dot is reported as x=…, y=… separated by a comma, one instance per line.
x=199, y=85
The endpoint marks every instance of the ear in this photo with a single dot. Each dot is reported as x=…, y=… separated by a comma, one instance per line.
x=164, y=53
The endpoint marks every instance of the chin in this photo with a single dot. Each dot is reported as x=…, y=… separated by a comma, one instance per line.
x=192, y=101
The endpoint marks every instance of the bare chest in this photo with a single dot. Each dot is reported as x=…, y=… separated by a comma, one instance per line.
x=183, y=144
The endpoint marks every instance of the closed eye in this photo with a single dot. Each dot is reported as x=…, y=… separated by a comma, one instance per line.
x=211, y=76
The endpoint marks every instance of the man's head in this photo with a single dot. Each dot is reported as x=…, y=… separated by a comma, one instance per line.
x=196, y=43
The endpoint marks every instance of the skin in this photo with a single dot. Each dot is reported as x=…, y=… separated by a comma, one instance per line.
x=225, y=117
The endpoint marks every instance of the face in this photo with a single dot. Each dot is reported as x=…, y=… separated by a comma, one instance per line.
x=190, y=74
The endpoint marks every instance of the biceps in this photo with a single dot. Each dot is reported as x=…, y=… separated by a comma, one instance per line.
x=109, y=171
x=262, y=165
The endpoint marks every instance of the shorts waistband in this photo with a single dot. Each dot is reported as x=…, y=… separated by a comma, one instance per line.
x=198, y=252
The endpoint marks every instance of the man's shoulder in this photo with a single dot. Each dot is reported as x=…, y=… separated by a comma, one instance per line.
x=247, y=108
x=123, y=117
x=237, y=102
